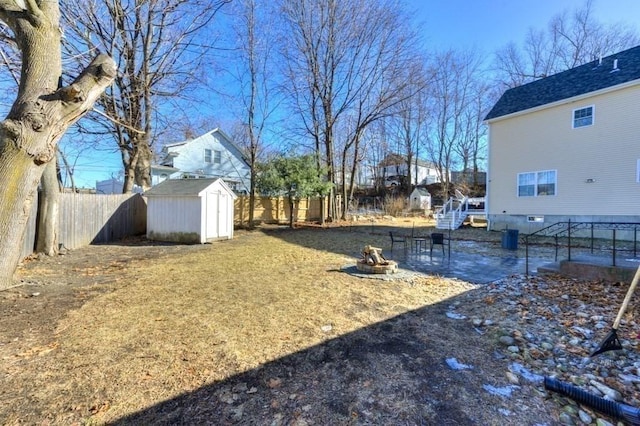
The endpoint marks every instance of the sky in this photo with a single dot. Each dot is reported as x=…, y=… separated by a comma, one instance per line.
x=490, y=24
x=484, y=25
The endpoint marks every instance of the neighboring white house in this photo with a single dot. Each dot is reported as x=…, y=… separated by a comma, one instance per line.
x=567, y=147
x=212, y=155
x=190, y=211
x=394, y=167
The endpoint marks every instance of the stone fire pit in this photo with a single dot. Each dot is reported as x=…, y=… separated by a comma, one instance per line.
x=373, y=262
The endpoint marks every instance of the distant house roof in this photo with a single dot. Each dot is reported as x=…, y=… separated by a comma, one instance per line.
x=168, y=153
x=184, y=187
x=587, y=78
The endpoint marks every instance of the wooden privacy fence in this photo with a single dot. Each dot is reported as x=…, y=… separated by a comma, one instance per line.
x=92, y=218
x=98, y=218
x=276, y=210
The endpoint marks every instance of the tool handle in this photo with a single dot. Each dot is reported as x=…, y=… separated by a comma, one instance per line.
x=627, y=298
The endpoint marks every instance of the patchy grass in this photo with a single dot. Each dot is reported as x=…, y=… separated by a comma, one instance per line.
x=160, y=325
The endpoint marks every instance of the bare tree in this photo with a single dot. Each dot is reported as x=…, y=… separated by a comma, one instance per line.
x=409, y=123
x=450, y=96
x=571, y=39
x=345, y=61
x=158, y=45
x=470, y=147
x=39, y=116
x=253, y=74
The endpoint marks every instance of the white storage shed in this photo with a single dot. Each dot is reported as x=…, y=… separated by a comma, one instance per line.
x=420, y=199
x=190, y=211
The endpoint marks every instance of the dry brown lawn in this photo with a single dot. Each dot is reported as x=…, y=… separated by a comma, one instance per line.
x=112, y=331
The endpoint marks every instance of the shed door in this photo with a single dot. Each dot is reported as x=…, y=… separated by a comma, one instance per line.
x=224, y=220
x=212, y=216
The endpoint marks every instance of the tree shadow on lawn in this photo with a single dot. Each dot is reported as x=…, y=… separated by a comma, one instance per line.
x=392, y=372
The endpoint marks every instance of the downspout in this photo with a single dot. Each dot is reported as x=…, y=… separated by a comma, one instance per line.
x=487, y=180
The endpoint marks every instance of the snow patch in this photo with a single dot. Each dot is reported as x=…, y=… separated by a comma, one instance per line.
x=455, y=365
x=455, y=315
x=526, y=374
x=504, y=391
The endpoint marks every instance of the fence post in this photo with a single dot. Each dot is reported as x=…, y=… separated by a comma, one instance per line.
x=526, y=255
x=569, y=240
x=614, y=247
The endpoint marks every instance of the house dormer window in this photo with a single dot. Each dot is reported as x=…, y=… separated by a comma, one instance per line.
x=583, y=117
x=207, y=155
x=217, y=157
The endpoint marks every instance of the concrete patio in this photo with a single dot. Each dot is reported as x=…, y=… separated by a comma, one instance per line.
x=481, y=263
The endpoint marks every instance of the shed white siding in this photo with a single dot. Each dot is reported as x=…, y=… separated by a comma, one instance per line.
x=190, y=211
x=170, y=215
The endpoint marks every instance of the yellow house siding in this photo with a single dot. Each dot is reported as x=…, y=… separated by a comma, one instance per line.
x=606, y=152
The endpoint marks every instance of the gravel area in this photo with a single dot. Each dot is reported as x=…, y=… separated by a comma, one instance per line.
x=549, y=326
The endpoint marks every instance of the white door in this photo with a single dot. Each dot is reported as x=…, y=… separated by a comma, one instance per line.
x=211, y=219
x=223, y=215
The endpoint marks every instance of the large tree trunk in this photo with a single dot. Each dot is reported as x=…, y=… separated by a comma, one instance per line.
x=38, y=118
x=49, y=201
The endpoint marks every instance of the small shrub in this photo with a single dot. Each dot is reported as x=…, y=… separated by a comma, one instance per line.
x=393, y=206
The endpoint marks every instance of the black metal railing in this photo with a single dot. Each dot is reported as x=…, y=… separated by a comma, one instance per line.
x=575, y=234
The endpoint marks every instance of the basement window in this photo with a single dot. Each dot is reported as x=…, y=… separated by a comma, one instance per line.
x=535, y=219
x=583, y=117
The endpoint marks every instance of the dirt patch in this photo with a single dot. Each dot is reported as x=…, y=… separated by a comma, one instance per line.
x=267, y=328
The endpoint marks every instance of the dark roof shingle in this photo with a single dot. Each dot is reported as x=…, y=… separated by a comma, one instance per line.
x=187, y=187
x=586, y=78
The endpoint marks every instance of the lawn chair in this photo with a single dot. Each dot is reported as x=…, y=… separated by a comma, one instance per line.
x=398, y=239
x=436, y=238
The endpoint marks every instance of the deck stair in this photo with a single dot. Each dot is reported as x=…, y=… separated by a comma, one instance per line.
x=456, y=210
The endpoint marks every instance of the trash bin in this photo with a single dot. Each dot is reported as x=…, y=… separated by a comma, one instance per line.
x=510, y=239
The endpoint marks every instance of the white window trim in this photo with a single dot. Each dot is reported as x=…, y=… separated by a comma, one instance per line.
x=593, y=116
x=216, y=154
x=535, y=188
x=210, y=155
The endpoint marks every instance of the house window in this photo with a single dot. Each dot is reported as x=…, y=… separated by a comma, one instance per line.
x=207, y=155
x=638, y=171
x=535, y=184
x=217, y=157
x=583, y=117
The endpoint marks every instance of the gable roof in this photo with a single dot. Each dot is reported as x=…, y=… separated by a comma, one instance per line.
x=185, y=187
x=587, y=78
x=225, y=139
x=422, y=192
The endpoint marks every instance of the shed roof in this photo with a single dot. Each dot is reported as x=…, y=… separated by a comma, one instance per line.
x=422, y=192
x=185, y=187
x=587, y=78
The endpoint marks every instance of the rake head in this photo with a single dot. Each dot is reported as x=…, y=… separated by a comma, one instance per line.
x=610, y=343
